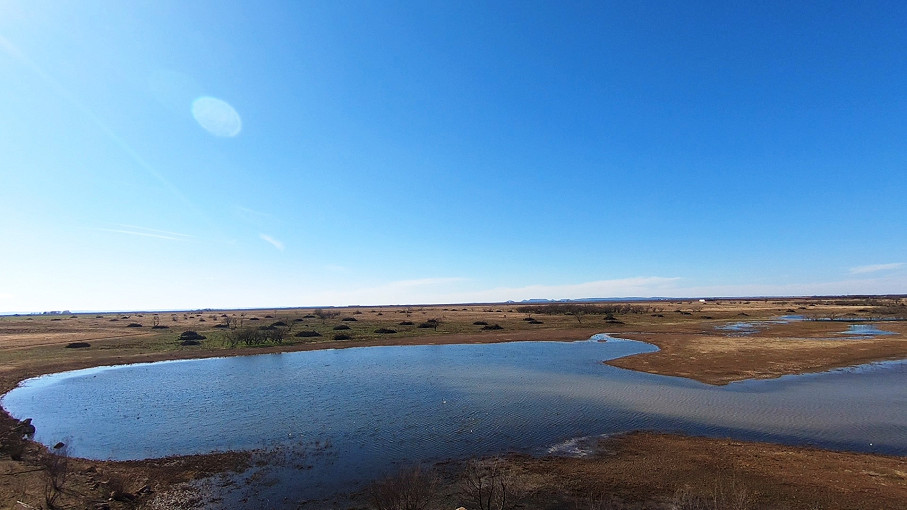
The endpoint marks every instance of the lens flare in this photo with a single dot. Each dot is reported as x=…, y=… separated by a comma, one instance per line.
x=216, y=116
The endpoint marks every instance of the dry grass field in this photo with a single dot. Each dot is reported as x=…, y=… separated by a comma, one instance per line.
x=692, y=336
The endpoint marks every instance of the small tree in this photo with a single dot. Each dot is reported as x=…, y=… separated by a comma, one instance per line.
x=56, y=471
x=487, y=485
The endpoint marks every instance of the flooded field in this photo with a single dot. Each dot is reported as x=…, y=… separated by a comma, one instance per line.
x=345, y=416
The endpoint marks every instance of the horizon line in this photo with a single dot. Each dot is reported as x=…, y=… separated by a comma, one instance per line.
x=476, y=303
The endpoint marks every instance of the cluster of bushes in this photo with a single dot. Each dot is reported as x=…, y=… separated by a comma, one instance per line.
x=484, y=484
x=490, y=484
x=257, y=336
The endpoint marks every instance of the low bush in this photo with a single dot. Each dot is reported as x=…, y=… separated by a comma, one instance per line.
x=78, y=345
x=479, y=323
x=492, y=327
x=191, y=335
x=348, y=319
x=385, y=331
x=406, y=323
x=307, y=334
x=342, y=336
x=341, y=327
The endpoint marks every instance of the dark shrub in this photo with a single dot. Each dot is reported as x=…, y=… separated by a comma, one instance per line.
x=266, y=328
x=348, y=319
x=430, y=323
x=534, y=321
x=278, y=323
x=190, y=342
x=406, y=323
x=221, y=326
x=297, y=320
x=614, y=321
x=341, y=327
x=493, y=326
x=133, y=325
x=114, y=320
x=160, y=327
x=307, y=334
x=269, y=316
x=385, y=331
x=528, y=319
x=309, y=316
x=253, y=318
x=479, y=323
x=191, y=335
x=342, y=336
x=78, y=345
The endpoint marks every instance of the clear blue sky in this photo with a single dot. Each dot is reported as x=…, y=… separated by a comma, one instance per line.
x=173, y=154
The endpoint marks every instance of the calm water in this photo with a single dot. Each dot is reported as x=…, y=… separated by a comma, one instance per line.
x=344, y=416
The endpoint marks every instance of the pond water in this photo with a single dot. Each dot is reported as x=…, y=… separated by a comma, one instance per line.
x=864, y=330
x=743, y=328
x=342, y=417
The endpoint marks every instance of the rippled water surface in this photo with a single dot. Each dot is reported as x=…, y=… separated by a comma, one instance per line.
x=364, y=409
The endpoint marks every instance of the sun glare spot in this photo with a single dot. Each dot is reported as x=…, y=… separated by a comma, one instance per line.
x=216, y=116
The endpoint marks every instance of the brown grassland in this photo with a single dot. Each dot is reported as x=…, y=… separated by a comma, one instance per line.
x=638, y=470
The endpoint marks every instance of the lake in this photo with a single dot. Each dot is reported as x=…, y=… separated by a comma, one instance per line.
x=344, y=416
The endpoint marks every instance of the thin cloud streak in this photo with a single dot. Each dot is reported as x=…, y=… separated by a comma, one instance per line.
x=153, y=230
x=142, y=234
x=420, y=282
x=875, y=268
x=270, y=240
x=644, y=286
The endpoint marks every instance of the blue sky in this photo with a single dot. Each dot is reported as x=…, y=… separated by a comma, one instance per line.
x=171, y=154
